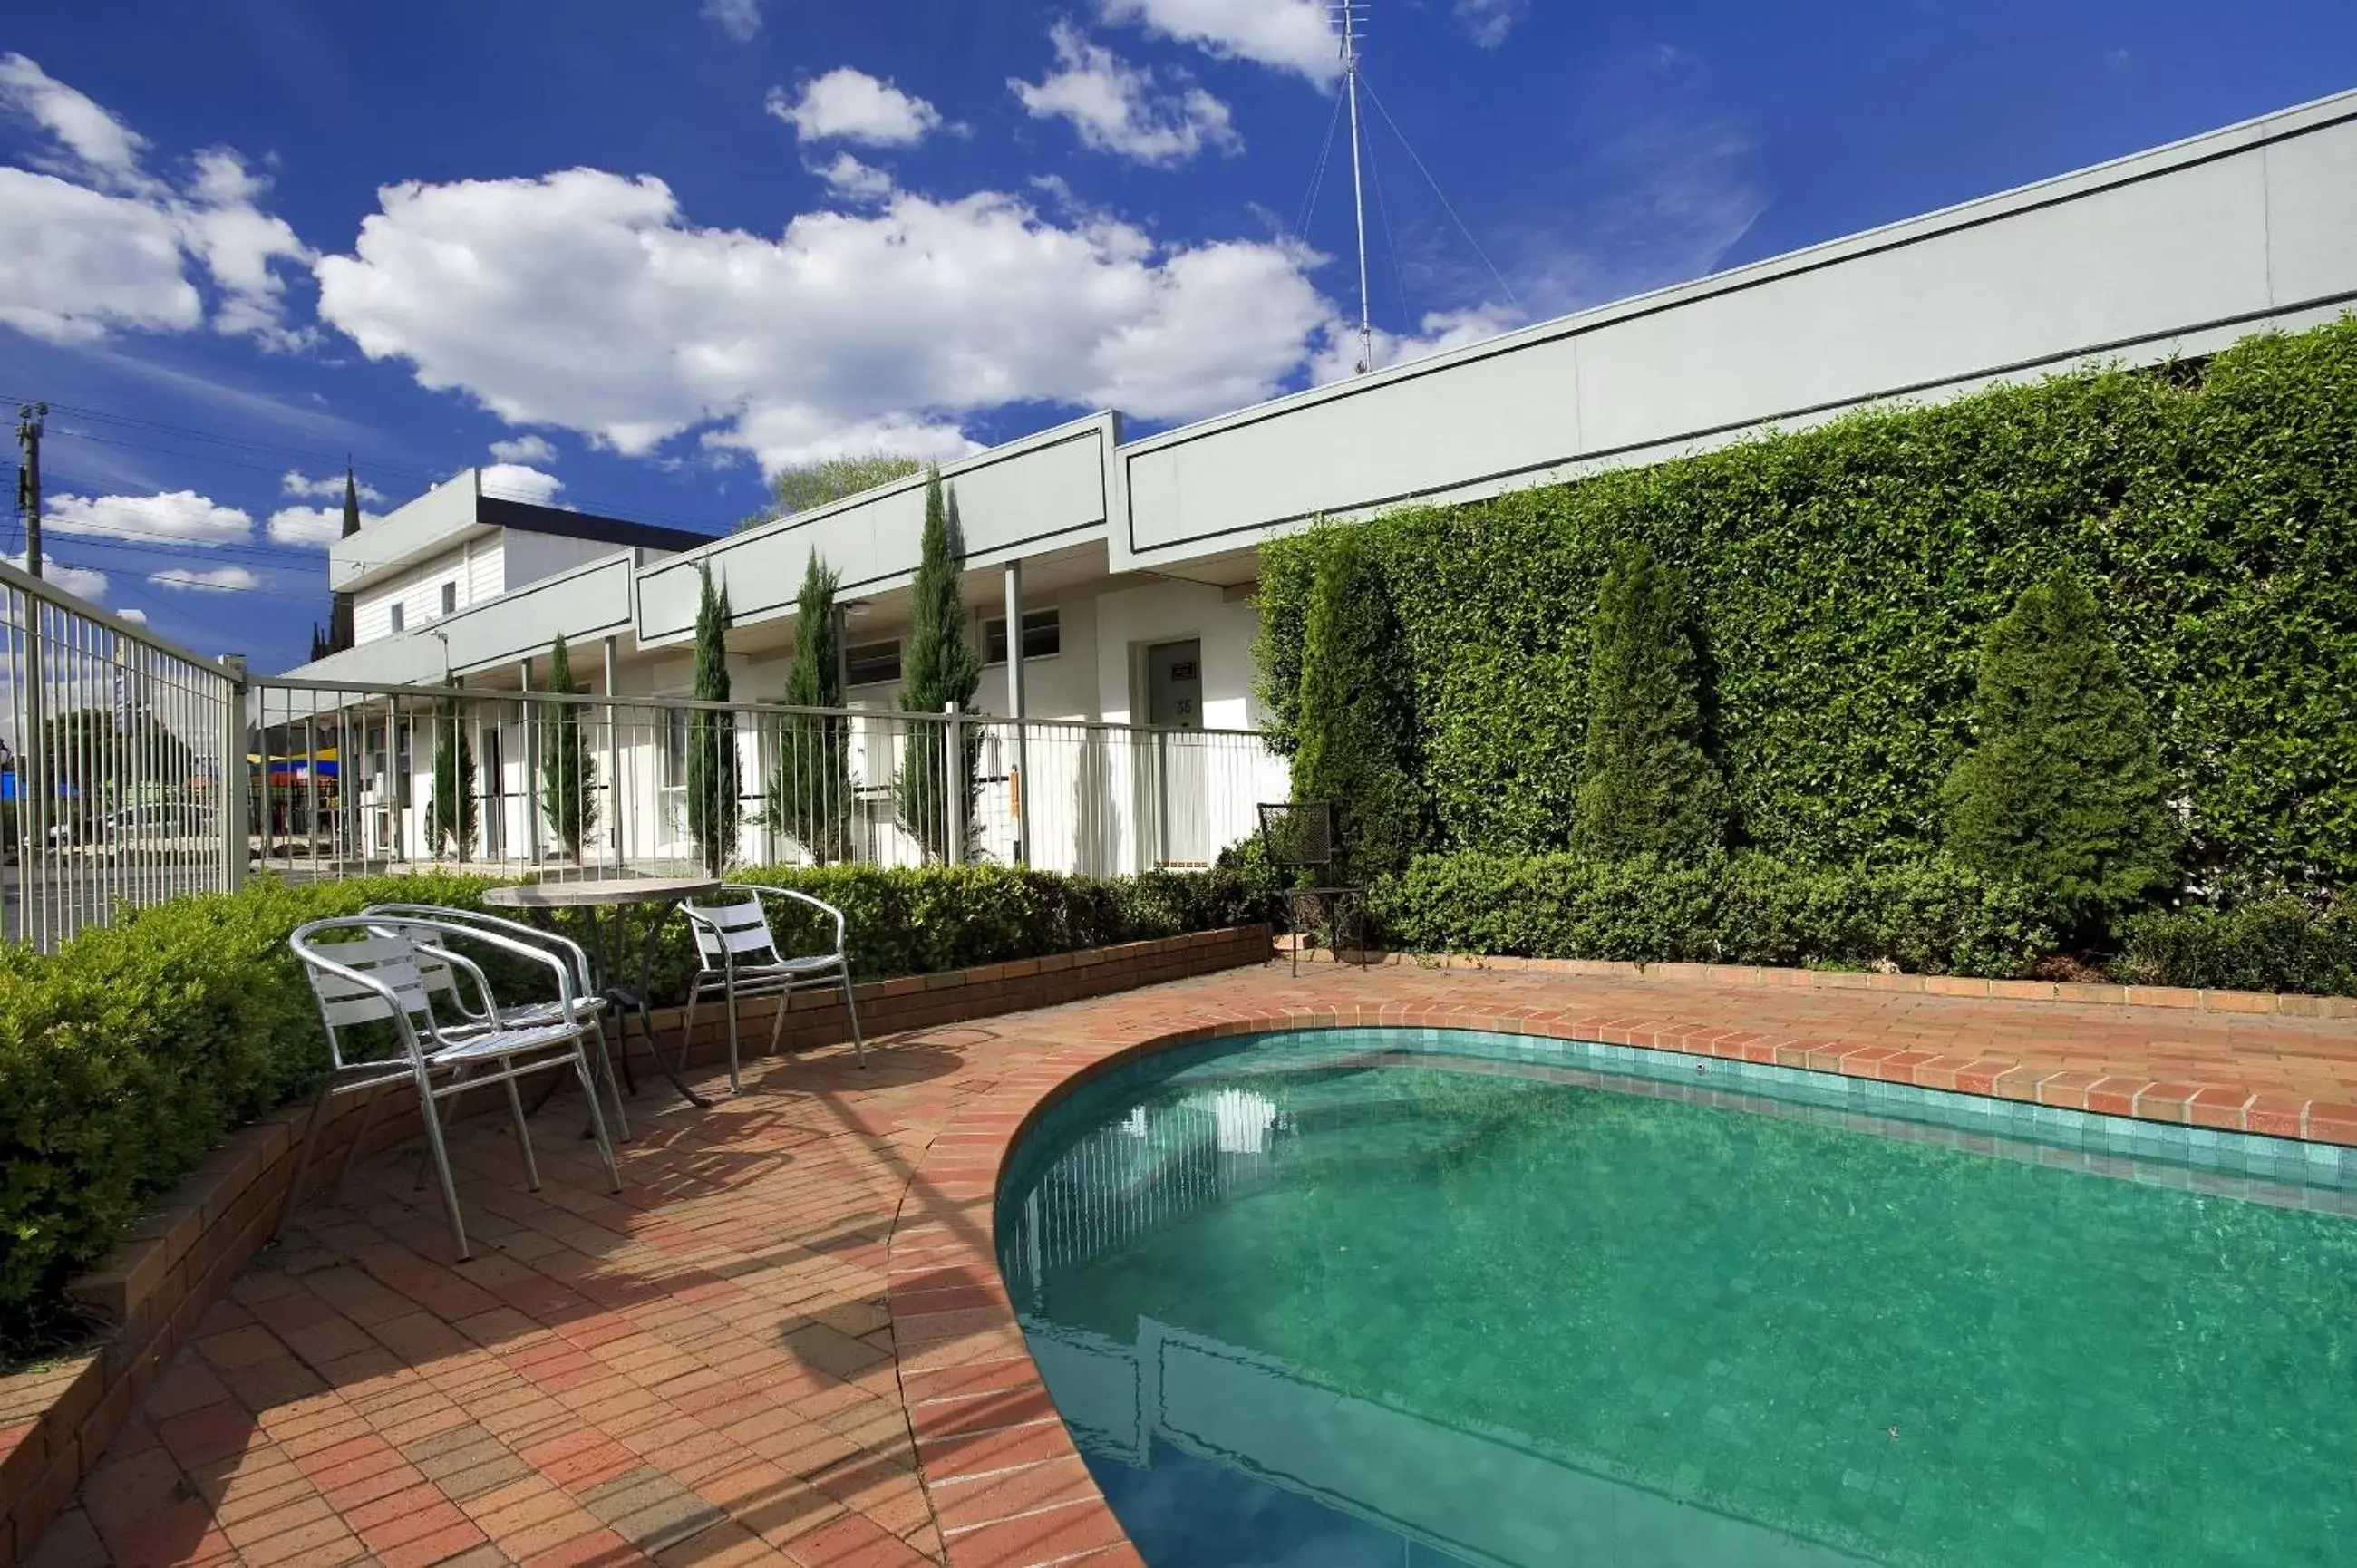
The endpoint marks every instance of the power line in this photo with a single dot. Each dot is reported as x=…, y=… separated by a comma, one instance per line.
x=1510, y=298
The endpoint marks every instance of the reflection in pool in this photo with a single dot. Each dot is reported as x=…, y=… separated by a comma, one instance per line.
x=1398, y=1297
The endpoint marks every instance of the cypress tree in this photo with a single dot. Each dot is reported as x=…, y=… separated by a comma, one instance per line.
x=942, y=671
x=809, y=797
x=1648, y=784
x=568, y=773
x=450, y=813
x=2063, y=794
x=712, y=802
x=1357, y=716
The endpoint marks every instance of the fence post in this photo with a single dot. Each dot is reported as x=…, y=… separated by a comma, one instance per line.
x=236, y=783
x=954, y=803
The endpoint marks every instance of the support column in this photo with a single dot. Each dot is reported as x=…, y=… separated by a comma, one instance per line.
x=613, y=764
x=531, y=763
x=1018, y=771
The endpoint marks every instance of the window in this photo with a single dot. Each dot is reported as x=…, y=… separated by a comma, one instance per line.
x=1043, y=636
x=396, y=613
x=871, y=664
x=449, y=598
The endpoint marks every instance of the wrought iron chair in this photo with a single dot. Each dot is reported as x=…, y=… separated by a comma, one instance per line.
x=368, y=969
x=1297, y=836
x=739, y=958
x=440, y=969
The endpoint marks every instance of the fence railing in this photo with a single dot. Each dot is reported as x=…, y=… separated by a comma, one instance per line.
x=351, y=777
x=121, y=778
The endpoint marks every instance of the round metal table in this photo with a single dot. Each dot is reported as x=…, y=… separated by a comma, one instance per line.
x=618, y=896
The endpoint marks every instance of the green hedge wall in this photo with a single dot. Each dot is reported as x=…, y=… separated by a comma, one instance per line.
x=1847, y=574
x=129, y=1054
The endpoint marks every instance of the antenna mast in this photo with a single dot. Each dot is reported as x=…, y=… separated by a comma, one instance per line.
x=1353, y=13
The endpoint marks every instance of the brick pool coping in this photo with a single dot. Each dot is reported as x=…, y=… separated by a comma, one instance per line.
x=623, y=1364
x=1008, y=1486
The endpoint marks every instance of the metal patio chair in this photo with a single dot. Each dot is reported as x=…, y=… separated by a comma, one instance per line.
x=740, y=957
x=371, y=969
x=1297, y=836
x=440, y=969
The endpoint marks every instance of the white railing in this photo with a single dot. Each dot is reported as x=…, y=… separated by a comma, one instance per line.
x=376, y=777
x=121, y=774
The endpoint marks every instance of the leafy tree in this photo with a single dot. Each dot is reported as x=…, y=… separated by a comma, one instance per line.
x=814, y=484
x=1357, y=715
x=2064, y=793
x=711, y=801
x=942, y=671
x=450, y=812
x=568, y=770
x=809, y=797
x=1649, y=784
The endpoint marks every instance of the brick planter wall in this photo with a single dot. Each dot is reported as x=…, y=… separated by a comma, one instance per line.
x=56, y=1422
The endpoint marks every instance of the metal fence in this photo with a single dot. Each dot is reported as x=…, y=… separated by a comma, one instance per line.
x=373, y=777
x=121, y=773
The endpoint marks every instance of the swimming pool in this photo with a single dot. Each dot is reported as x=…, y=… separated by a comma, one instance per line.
x=1341, y=1298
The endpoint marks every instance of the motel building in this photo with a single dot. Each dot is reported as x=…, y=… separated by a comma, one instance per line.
x=1117, y=573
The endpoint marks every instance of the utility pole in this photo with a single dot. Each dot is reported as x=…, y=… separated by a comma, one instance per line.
x=29, y=419
x=1351, y=9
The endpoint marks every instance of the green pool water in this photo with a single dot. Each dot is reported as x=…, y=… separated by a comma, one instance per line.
x=1337, y=1298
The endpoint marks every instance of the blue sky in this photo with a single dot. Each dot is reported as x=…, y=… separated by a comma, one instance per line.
x=639, y=252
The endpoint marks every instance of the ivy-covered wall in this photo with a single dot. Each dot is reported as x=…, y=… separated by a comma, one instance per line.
x=1844, y=577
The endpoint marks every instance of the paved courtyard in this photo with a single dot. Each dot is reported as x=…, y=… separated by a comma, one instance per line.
x=784, y=1341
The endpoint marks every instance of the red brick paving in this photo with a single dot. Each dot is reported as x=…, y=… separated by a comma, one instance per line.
x=786, y=1340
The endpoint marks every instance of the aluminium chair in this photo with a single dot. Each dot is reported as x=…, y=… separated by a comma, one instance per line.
x=739, y=958
x=1297, y=836
x=371, y=969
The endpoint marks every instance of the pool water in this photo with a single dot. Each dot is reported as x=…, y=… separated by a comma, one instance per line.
x=1340, y=1297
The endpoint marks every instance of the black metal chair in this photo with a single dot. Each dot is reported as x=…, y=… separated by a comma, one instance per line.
x=1297, y=836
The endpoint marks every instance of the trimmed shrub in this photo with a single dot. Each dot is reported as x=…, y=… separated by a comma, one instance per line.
x=450, y=813
x=2277, y=944
x=1647, y=786
x=1357, y=721
x=1928, y=916
x=2062, y=794
x=711, y=784
x=809, y=796
x=568, y=773
x=942, y=671
x=1850, y=573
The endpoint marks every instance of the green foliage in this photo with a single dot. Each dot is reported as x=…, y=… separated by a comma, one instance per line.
x=2275, y=944
x=711, y=800
x=1357, y=721
x=450, y=812
x=809, y=795
x=942, y=671
x=814, y=484
x=1647, y=785
x=1928, y=916
x=568, y=772
x=1850, y=574
x=2063, y=793
x=131, y=1051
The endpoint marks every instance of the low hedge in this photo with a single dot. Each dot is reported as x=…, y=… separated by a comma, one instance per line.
x=2280, y=944
x=1928, y=916
x=134, y=1050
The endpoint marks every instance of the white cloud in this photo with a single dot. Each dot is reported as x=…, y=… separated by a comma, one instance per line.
x=854, y=181
x=215, y=580
x=81, y=581
x=740, y=19
x=1440, y=331
x=1488, y=21
x=97, y=243
x=524, y=449
x=180, y=517
x=311, y=527
x=1117, y=108
x=1290, y=35
x=295, y=482
x=587, y=301
x=136, y=616
x=518, y=482
x=852, y=106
